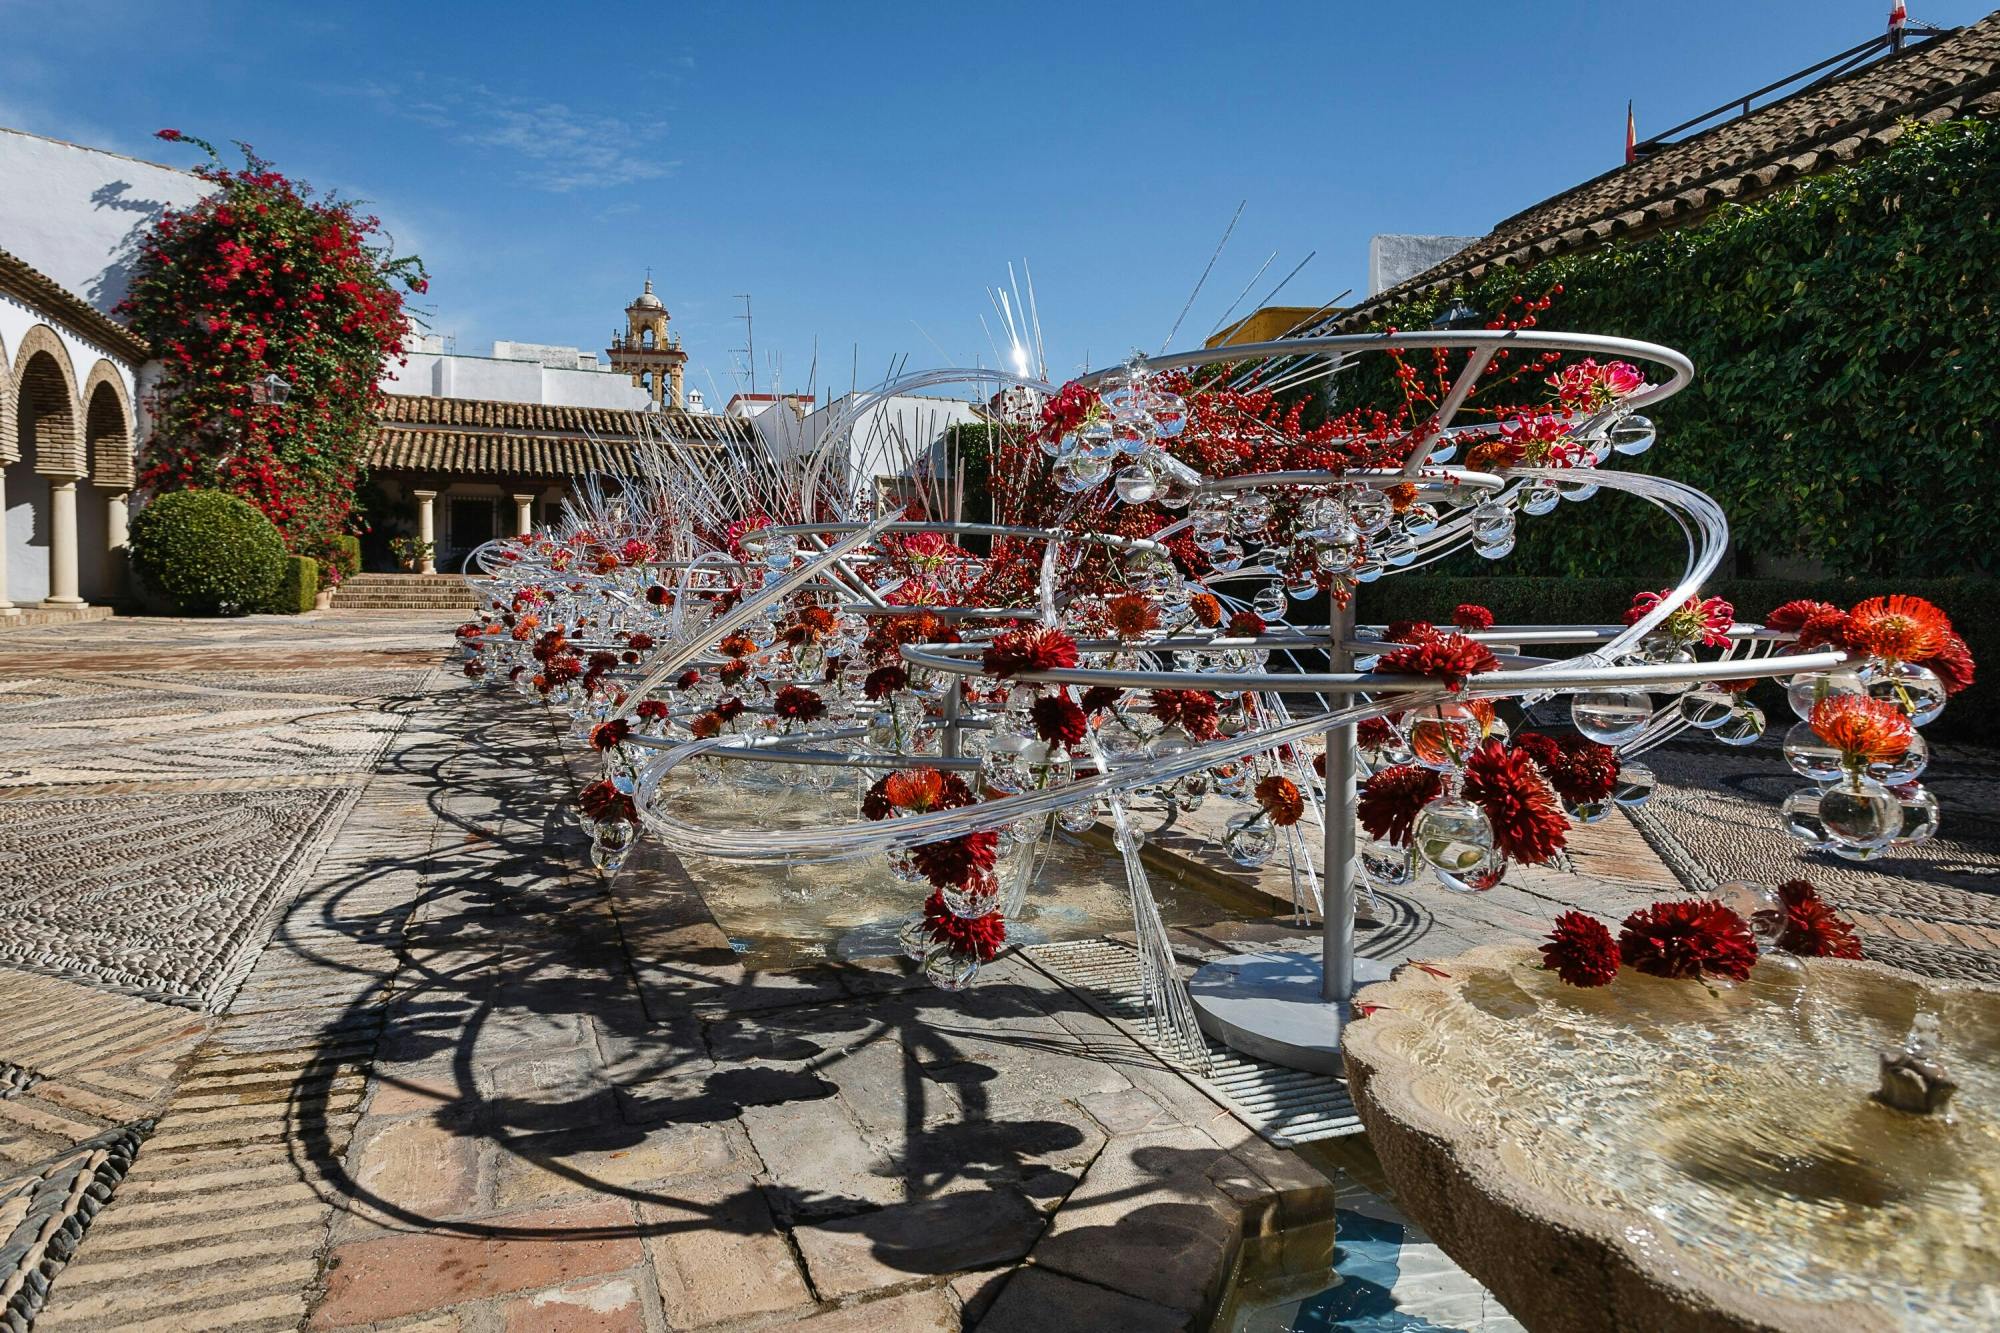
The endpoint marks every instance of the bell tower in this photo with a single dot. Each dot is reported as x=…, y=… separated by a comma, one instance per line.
x=648, y=351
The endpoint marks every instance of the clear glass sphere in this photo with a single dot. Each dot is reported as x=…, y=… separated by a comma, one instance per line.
x=979, y=898
x=1492, y=522
x=1397, y=549
x=1907, y=767
x=903, y=866
x=1250, y=839
x=1420, y=519
x=1920, y=815
x=1387, y=865
x=1610, y=717
x=1079, y=472
x=1370, y=510
x=1496, y=549
x=1540, y=498
x=1136, y=483
x=1252, y=512
x=610, y=843
x=1442, y=735
x=947, y=970
x=1632, y=434
x=1588, y=812
x=1707, y=707
x=1914, y=689
x=915, y=938
x=1860, y=814
x=1269, y=602
x=1808, y=690
x=1452, y=835
x=1579, y=491
x=1800, y=813
x=1759, y=906
x=1744, y=725
x=1096, y=440
x=1478, y=878
x=1811, y=757
x=1169, y=412
x=1078, y=818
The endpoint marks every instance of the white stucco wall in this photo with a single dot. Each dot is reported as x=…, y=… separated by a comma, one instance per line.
x=505, y=380
x=1392, y=258
x=885, y=439
x=77, y=213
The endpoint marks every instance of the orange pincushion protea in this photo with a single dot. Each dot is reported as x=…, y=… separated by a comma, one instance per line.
x=1131, y=616
x=1898, y=628
x=1279, y=796
x=1864, y=730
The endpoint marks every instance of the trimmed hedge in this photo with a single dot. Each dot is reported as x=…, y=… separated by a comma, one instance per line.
x=207, y=552
x=1846, y=339
x=1972, y=603
x=298, y=586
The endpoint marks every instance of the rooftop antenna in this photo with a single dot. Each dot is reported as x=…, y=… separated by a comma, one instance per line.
x=749, y=349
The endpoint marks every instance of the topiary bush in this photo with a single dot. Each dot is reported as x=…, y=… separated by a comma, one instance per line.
x=207, y=552
x=298, y=586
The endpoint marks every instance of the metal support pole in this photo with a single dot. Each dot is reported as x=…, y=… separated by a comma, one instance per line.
x=1337, y=885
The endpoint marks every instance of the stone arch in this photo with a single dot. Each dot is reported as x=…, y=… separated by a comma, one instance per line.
x=10, y=444
x=46, y=404
x=107, y=428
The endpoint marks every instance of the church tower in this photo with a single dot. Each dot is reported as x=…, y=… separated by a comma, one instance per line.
x=648, y=352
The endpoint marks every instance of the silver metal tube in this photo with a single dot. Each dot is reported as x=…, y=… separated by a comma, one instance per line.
x=1337, y=894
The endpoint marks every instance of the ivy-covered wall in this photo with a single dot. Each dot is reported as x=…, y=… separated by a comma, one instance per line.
x=1846, y=340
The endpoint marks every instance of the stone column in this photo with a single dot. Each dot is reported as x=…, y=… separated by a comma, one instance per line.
x=524, y=515
x=116, y=512
x=427, y=529
x=7, y=608
x=62, y=543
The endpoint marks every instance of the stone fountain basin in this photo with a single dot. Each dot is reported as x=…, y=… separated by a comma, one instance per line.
x=1583, y=1155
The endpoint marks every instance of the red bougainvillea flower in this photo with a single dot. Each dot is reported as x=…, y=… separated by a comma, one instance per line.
x=1131, y=616
x=1409, y=631
x=1193, y=711
x=1058, y=720
x=1246, y=625
x=1447, y=658
x=1952, y=664
x=609, y=735
x=1581, y=951
x=603, y=802
x=1792, y=616
x=884, y=681
x=798, y=704
x=1697, y=620
x=1388, y=802
x=1689, y=938
x=1041, y=649
x=1898, y=628
x=1471, y=616
x=1528, y=822
x=1812, y=928
x=980, y=937
x=1864, y=730
x=1207, y=609
x=1279, y=796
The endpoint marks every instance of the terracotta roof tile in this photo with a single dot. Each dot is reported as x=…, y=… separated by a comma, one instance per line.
x=28, y=283
x=476, y=437
x=1817, y=128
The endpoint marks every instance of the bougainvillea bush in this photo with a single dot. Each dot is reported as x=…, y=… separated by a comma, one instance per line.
x=262, y=277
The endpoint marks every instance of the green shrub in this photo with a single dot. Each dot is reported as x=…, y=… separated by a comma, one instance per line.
x=1845, y=333
x=343, y=559
x=298, y=586
x=207, y=552
x=1972, y=603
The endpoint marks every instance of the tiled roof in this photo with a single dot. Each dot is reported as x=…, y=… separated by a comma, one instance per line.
x=29, y=284
x=474, y=437
x=1813, y=130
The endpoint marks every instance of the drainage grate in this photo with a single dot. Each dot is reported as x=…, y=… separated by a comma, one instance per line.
x=1286, y=1106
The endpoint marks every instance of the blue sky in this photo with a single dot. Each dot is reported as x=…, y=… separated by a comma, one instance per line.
x=867, y=172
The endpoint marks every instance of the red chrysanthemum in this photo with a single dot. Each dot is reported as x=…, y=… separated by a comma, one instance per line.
x=1100, y=697
x=919, y=791
x=1581, y=770
x=1581, y=951
x=687, y=680
x=798, y=704
x=1279, y=796
x=651, y=710
x=1373, y=733
x=1825, y=629
x=1408, y=631
x=1898, y=628
x=1528, y=821
x=1193, y=711
x=610, y=735
x=1471, y=616
x=730, y=709
x=1792, y=616
x=1207, y=609
x=1246, y=625
x=810, y=625
x=1952, y=664
x=640, y=643
x=738, y=645
x=1812, y=928
x=658, y=595
x=953, y=862
x=1388, y=802
x=982, y=937
x=884, y=681
x=1041, y=649
x=706, y=726
x=475, y=668
x=1447, y=658
x=1864, y=730
x=1131, y=616
x=1688, y=938
x=603, y=802
x=1058, y=720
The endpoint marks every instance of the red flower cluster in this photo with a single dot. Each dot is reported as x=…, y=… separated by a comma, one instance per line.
x=1279, y=796
x=1448, y=658
x=1131, y=616
x=1864, y=730
x=1581, y=951
x=610, y=735
x=1206, y=608
x=1408, y=631
x=1812, y=927
x=1581, y=770
x=1058, y=720
x=798, y=704
x=1895, y=628
x=1528, y=821
x=603, y=802
x=1193, y=711
x=1041, y=649
x=1245, y=625
x=1471, y=616
x=884, y=681
x=981, y=937
x=1690, y=938
x=1388, y=802
x=1697, y=620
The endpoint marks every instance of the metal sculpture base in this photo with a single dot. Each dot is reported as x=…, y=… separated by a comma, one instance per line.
x=1269, y=1005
